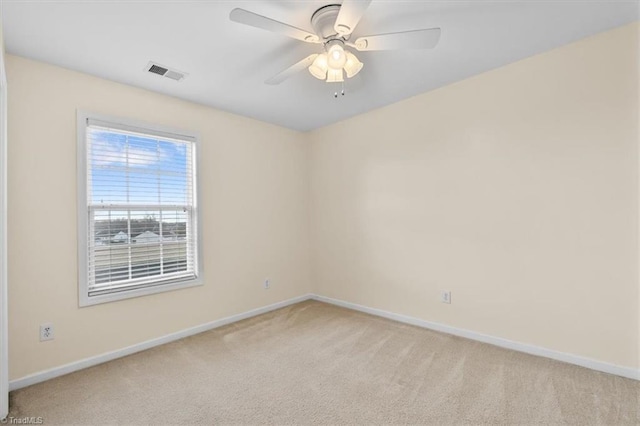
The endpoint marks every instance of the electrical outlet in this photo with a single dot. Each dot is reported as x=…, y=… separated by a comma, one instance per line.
x=267, y=284
x=445, y=297
x=46, y=332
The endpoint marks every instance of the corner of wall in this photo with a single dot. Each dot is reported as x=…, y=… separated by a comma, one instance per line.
x=4, y=354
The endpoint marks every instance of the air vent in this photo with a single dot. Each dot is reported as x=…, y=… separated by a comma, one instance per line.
x=158, y=70
x=163, y=71
x=174, y=75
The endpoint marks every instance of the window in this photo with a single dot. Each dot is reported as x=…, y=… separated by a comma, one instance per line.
x=137, y=209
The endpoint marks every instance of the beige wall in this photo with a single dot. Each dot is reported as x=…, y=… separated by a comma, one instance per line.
x=517, y=190
x=254, y=201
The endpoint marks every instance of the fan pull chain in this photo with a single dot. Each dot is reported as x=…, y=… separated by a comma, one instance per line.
x=335, y=94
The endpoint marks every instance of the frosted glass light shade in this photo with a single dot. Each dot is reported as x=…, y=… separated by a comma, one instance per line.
x=336, y=56
x=352, y=66
x=319, y=67
x=334, y=76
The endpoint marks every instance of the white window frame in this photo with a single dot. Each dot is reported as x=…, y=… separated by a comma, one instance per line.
x=83, y=206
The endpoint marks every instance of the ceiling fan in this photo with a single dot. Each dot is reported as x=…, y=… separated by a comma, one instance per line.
x=333, y=25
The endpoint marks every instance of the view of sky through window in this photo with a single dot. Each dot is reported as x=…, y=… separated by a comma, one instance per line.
x=135, y=170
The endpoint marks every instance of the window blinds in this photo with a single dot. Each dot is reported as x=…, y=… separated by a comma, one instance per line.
x=141, y=208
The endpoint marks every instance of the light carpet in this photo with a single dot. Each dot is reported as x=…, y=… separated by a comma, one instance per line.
x=313, y=363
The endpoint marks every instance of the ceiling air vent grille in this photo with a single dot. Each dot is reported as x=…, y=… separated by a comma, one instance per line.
x=167, y=72
x=156, y=69
x=174, y=75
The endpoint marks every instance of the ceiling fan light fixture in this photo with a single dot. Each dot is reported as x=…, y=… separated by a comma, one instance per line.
x=335, y=76
x=319, y=67
x=336, y=55
x=333, y=26
x=352, y=66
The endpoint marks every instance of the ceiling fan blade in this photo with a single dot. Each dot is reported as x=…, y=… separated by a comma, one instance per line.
x=293, y=69
x=417, y=39
x=254, y=20
x=350, y=13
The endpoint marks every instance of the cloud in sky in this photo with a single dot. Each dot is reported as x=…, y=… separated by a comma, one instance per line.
x=116, y=149
x=141, y=170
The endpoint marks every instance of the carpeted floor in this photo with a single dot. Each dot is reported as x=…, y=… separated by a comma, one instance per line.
x=317, y=363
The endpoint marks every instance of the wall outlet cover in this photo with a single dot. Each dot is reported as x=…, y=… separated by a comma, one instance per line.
x=46, y=332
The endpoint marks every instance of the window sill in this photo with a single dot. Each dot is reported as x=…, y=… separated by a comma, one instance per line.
x=86, y=300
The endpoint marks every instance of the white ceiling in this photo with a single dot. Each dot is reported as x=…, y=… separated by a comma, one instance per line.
x=229, y=62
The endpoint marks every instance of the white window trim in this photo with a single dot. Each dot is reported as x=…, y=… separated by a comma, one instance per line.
x=82, y=219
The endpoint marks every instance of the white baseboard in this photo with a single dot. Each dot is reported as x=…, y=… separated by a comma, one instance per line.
x=592, y=364
x=42, y=376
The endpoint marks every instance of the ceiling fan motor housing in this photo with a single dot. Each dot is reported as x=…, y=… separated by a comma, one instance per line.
x=323, y=21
